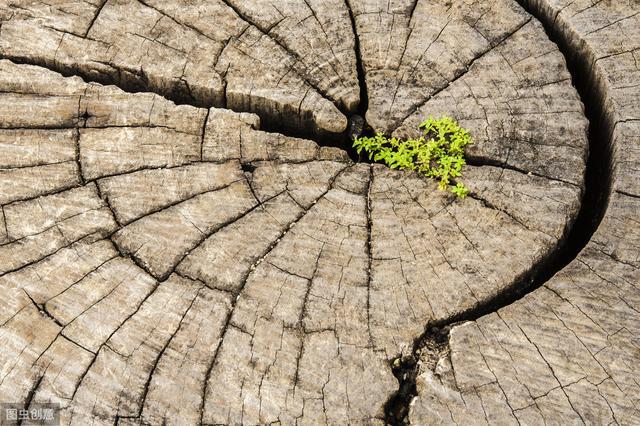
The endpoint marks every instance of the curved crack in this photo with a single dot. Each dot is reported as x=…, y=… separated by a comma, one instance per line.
x=595, y=200
x=594, y=204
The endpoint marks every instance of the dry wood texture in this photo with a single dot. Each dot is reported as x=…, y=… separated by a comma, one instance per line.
x=182, y=242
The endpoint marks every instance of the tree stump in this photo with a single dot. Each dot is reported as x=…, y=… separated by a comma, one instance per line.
x=185, y=239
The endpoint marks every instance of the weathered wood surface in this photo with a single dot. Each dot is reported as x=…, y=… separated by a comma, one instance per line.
x=568, y=352
x=176, y=263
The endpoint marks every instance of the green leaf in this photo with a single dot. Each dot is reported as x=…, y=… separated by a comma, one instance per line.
x=437, y=154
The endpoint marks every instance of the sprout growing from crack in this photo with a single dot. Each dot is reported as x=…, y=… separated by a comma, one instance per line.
x=437, y=154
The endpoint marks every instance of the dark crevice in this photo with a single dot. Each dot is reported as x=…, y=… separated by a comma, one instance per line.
x=323, y=139
x=412, y=11
x=98, y=234
x=30, y=395
x=357, y=123
x=138, y=82
x=599, y=168
x=364, y=94
x=178, y=92
x=369, y=251
x=248, y=167
x=127, y=256
x=595, y=200
x=428, y=349
x=128, y=80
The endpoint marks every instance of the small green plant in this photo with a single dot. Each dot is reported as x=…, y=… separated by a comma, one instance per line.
x=438, y=153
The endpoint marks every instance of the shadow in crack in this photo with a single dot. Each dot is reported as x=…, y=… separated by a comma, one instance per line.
x=595, y=200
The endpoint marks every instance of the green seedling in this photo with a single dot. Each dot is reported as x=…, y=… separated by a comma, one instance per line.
x=437, y=154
